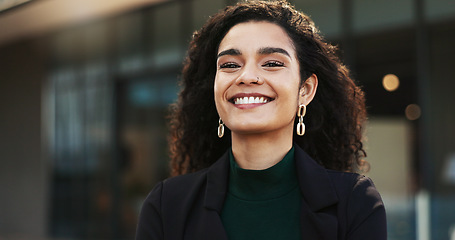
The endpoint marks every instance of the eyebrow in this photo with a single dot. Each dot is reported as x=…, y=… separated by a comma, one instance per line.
x=234, y=52
x=270, y=50
x=262, y=51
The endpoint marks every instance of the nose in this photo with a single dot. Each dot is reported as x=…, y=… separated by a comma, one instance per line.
x=249, y=76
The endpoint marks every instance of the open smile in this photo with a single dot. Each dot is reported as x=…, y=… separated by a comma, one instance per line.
x=239, y=99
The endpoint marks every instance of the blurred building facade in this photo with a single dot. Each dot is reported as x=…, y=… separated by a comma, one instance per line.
x=83, y=112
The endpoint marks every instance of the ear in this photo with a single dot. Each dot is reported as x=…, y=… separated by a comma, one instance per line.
x=308, y=90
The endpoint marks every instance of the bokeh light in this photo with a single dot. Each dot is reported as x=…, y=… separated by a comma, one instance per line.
x=390, y=82
x=413, y=112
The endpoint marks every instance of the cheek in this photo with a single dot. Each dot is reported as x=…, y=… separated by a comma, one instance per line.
x=218, y=90
x=292, y=97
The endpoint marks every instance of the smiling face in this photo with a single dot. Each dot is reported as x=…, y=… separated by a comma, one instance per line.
x=257, y=79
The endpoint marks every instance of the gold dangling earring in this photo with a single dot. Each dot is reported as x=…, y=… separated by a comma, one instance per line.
x=220, y=128
x=301, y=126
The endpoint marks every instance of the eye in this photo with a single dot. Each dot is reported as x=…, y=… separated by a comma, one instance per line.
x=273, y=64
x=229, y=65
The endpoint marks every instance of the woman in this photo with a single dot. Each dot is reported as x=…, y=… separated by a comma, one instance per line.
x=262, y=72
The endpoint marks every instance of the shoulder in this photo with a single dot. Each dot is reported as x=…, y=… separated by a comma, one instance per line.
x=168, y=204
x=347, y=181
x=186, y=180
x=360, y=204
x=189, y=188
x=354, y=186
x=178, y=186
x=173, y=197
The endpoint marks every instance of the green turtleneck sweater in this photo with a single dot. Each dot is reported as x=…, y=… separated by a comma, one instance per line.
x=263, y=204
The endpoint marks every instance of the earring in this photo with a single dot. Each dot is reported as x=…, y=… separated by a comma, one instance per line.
x=220, y=128
x=301, y=126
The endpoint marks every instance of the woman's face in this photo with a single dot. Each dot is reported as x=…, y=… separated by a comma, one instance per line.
x=257, y=79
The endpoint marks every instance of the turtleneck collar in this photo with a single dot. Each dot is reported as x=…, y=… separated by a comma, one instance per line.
x=259, y=185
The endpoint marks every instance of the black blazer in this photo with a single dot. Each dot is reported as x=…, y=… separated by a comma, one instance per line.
x=335, y=205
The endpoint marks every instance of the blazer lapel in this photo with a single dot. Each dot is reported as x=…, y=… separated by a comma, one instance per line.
x=217, y=183
x=319, y=199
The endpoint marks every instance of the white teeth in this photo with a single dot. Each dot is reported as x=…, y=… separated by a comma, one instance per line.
x=250, y=100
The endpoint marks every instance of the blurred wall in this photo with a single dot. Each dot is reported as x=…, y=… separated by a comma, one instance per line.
x=23, y=170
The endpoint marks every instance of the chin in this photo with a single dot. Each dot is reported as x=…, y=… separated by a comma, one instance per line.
x=248, y=129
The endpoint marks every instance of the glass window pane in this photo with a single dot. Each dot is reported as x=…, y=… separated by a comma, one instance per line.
x=203, y=9
x=166, y=36
x=439, y=9
x=326, y=14
x=129, y=34
x=371, y=15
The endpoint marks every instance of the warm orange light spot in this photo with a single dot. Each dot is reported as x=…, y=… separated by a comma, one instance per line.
x=390, y=82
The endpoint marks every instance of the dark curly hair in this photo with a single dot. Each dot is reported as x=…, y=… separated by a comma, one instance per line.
x=335, y=116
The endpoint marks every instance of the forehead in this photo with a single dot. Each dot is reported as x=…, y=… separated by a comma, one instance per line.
x=256, y=34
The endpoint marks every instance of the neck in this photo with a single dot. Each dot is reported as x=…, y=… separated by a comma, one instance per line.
x=261, y=151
